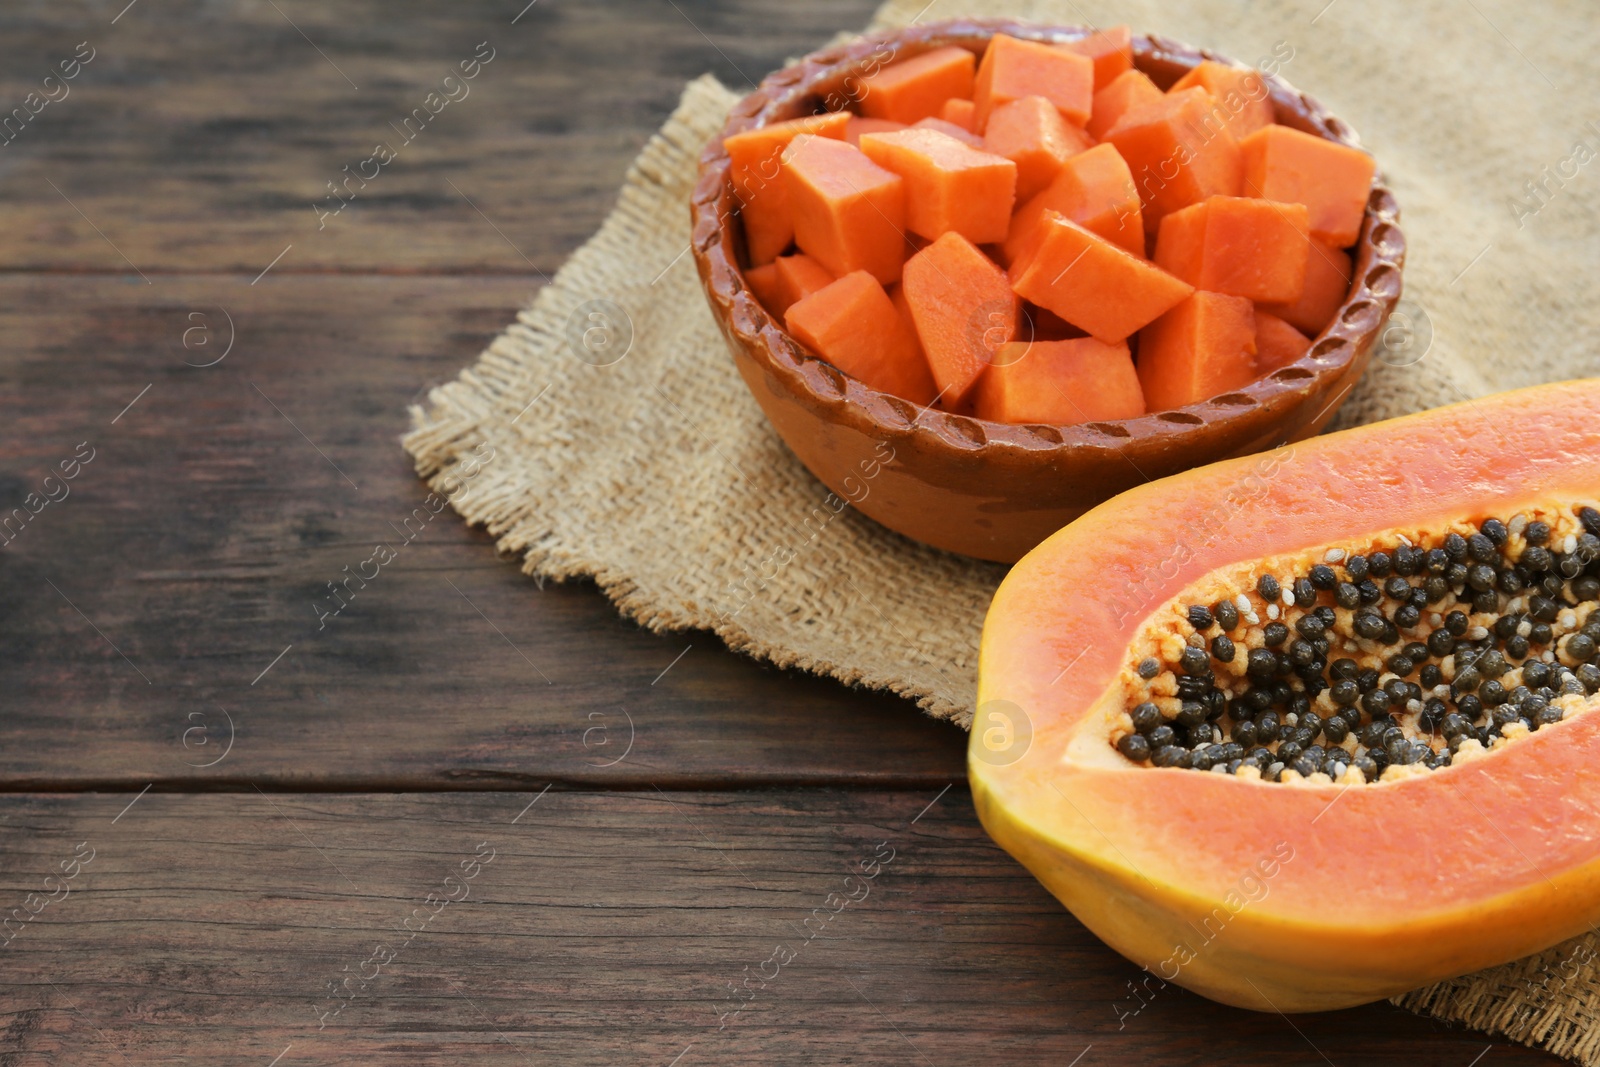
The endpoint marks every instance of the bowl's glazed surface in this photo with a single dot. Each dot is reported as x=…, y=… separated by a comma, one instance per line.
x=994, y=490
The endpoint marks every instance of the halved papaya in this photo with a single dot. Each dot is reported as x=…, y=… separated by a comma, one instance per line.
x=1396, y=626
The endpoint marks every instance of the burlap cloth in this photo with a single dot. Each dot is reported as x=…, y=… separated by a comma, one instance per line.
x=626, y=448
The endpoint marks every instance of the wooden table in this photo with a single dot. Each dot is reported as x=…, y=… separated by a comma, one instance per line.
x=410, y=834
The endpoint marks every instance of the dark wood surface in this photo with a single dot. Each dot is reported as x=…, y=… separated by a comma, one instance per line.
x=300, y=807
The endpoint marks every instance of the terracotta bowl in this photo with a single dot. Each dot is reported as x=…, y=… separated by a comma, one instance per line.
x=988, y=489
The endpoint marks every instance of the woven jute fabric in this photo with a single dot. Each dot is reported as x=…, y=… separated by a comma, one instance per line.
x=626, y=449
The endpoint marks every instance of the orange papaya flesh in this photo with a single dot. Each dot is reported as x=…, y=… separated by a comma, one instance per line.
x=964, y=311
x=1332, y=180
x=1111, y=49
x=1239, y=245
x=1032, y=134
x=849, y=213
x=1311, y=892
x=949, y=185
x=1059, y=383
x=1095, y=285
x=764, y=283
x=797, y=277
x=958, y=112
x=949, y=129
x=1180, y=152
x=1012, y=69
x=917, y=88
x=856, y=127
x=756, y=158
x=1327, y=284
x=1203, y=347
x=1277, y=343
x=1241, y=92
x=854, y=325
x=1093, y=189
x=1128, y=90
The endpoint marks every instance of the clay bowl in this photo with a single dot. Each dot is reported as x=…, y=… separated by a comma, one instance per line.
x=988, y=489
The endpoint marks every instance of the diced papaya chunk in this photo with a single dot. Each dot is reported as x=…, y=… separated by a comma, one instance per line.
x=1110, y=48
x=763, y=283
x=1239, y=245
x=1093, y=189
x=964, y=310
x=1032, y=134
x=1332, y=180
x=849, y=213
x=1130, y=89
x=1277, y=343
x=950, y=186
x=1179, y=151
x=1094, y=284
x=949, y=129
x=854, y=325
x=856, y=127
x=916, y=88
x=958, y=112
x=1203, y=347
x=1241, y=92
x=1012, y=69
x=1327, y=284
x=798, y=277
x=757, y=158
x=1059, y=383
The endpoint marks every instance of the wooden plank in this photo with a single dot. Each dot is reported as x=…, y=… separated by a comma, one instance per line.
x=594, y=929
x=177, y=586
x=199, y=136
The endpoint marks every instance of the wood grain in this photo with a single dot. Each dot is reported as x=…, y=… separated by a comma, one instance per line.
x=201, y=134
x=196, y=546
x=606, y=929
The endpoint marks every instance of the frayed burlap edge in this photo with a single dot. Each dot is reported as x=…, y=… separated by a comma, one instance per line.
x=534, y=356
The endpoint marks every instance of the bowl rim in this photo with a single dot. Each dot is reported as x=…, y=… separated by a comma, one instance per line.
x=1338, y=354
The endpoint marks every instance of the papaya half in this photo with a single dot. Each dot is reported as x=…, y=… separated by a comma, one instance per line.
x=1314, y=727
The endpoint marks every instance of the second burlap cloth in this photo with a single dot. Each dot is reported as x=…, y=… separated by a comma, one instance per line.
x=626, y=448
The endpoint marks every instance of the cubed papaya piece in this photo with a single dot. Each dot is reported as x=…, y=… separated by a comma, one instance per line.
x=897, y=297
x=1332, y=180
x=1111, y=49
x=950, y=186
x=1327, y=284
x=1093, y=189
x=798, y=276
x=854, y=325
x=1239, y=245
x=1180, y=152
x=849, y=213
x=1096, y=285
x=964, y=310
x=1128, y=90
x=1032, y=134
x=1277, y=343
x=1203, y=347
x=1012, y=69
x=950, y=129
x=757, y=159
x=958, y=112
x=763, y=283
x=856, y=127
x=1060, y=383
x=916, y=88
x=1241, y=91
